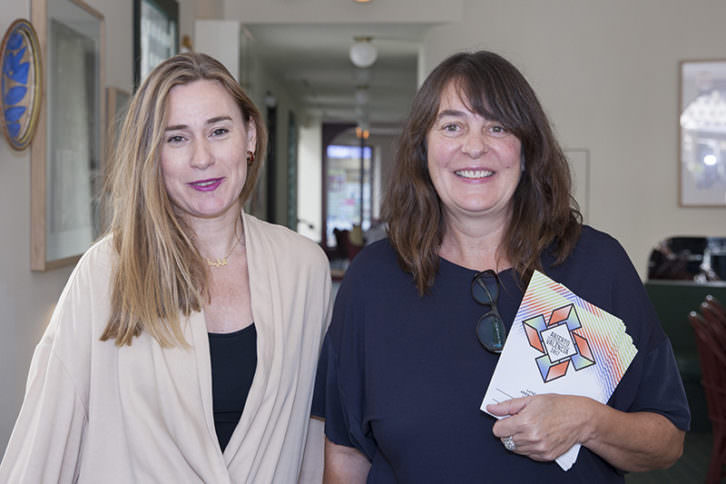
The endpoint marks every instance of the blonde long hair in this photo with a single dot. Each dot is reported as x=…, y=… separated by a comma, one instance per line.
x=159, y=272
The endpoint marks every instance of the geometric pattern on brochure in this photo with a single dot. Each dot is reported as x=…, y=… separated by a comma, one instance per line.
x=559, y=342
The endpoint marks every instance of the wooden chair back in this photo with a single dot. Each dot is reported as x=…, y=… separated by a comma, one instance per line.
x=710, y=329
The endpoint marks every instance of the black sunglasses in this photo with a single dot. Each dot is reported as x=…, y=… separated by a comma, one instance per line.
x=490, y=328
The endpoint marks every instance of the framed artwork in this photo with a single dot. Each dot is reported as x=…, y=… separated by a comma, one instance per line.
x=67, y=153
x=156, y=34
x=702, y=137
x=20, y=83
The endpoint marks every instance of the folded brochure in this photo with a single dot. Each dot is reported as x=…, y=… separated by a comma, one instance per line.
x=560, y=343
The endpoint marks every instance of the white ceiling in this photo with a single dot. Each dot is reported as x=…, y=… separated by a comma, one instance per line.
x=312, y=61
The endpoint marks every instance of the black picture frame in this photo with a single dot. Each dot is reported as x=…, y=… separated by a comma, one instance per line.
x=170, y=8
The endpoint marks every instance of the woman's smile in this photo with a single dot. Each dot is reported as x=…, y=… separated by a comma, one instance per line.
x=207, y=185
x=474, y=174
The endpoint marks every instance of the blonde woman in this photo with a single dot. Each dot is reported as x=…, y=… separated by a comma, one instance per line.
x=183, y=348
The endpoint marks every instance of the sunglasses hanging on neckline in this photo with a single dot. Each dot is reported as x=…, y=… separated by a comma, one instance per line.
x=490, y=328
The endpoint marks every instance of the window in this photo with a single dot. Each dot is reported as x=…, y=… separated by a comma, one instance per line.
x=344, y=186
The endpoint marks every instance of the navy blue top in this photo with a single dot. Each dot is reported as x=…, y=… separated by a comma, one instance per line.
x=234, y=361
x=401, y=377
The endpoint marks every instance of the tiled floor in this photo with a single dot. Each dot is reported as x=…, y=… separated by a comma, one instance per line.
x=691, y=468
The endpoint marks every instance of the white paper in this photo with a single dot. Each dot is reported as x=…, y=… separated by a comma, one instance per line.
x=561, y=344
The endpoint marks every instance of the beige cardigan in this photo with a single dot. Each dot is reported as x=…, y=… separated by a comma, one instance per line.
x=97, y=413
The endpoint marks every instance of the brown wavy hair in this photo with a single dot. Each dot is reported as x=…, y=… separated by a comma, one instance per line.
x=159, y=272
x=544, y=214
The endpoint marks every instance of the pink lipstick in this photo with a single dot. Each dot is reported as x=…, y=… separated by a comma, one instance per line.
x=208, y=185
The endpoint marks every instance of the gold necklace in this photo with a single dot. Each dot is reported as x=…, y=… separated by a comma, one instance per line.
x=223, y=261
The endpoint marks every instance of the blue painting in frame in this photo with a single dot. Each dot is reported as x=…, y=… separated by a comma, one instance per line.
x=20, y=83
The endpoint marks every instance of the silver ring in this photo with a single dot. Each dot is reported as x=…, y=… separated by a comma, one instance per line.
x=509, y=444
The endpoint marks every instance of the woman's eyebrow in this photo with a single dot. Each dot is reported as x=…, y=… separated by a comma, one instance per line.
x=213, y=120
x=450, y=112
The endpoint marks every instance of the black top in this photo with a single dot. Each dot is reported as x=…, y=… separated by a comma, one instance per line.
x=234, y=360
x=401, y=377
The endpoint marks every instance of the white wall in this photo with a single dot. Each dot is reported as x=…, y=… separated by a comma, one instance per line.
x=607, y=75
x=188, y=9
x=309, y=179
x=220, y=39
x=209, y=9
x=331, y=11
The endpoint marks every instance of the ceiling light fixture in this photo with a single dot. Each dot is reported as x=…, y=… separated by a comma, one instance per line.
x=362, y=133
x=363, y=53
x=361, y=95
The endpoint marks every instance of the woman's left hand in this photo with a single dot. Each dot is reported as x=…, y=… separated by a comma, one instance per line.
x=543, y=427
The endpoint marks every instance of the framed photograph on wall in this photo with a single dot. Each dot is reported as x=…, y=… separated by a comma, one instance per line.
x=702, y=126
x=67, y=153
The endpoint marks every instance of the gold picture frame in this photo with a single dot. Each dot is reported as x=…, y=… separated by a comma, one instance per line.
x=702, y=133
x=68, y=150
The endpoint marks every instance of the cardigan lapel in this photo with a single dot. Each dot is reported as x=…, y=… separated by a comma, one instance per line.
x=248, y=441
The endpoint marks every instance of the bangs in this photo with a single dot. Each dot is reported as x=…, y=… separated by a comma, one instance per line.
x=485, y=93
